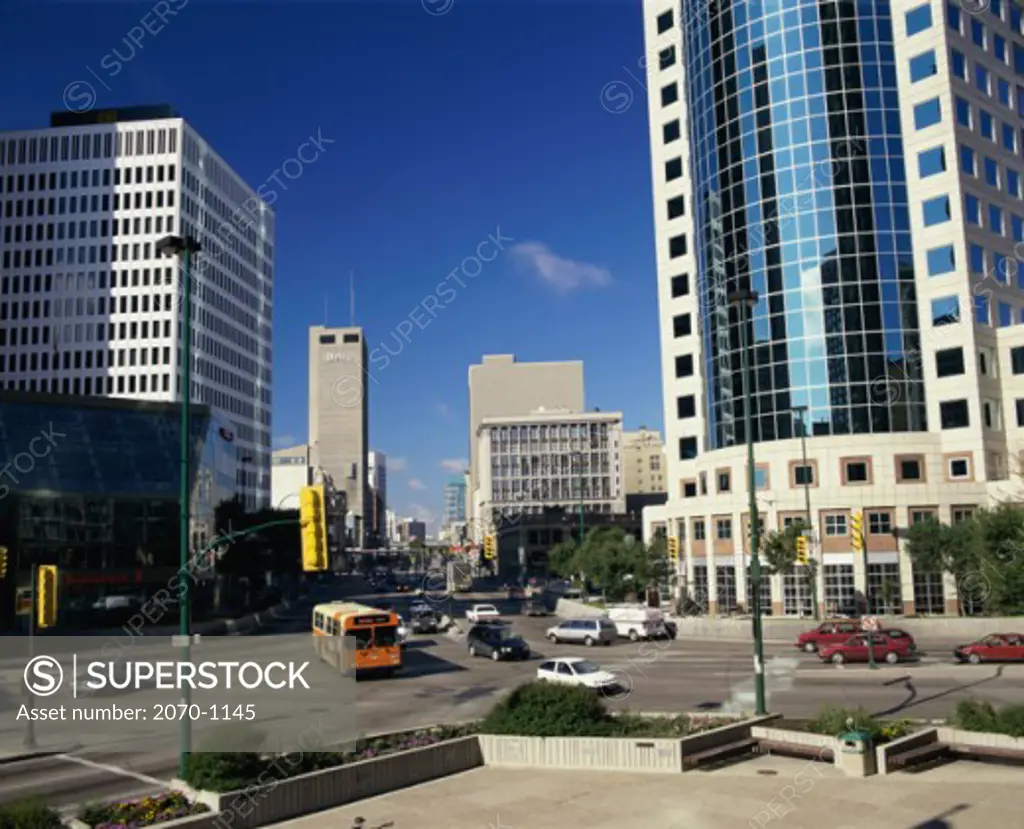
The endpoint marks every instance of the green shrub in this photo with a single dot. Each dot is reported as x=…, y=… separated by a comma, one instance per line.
x=224, y=771
x=544, y=709
x=836, y=721
x=629, y=724
x=29, y=814
x=974, y=715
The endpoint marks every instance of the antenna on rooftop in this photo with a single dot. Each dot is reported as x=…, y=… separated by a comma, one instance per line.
x=352, y=296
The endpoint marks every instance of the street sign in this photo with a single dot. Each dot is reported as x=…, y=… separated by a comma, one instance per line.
x=870, y=623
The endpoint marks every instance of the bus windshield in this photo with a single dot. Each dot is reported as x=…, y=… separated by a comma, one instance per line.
x=383, y=636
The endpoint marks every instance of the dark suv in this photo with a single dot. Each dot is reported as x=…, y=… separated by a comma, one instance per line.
x=496, y=641
x=425, y=622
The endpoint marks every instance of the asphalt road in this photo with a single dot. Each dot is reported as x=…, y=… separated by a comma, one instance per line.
x=441, y=683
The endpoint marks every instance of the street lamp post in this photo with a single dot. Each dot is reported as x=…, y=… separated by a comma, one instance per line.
x=744, y=302
x=184, y=247
x=811, y=565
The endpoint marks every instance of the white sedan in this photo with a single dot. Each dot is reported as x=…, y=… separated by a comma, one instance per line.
x=482, y=612
x=575, y=670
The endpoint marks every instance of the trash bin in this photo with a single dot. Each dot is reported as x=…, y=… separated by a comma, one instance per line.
x=856, y=754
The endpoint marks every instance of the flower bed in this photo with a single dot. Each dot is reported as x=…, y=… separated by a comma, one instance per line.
x=226, y=772
x=135, y=814
x=834, y=722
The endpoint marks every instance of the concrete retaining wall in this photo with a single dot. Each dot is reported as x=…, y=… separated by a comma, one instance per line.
x=979, y=739
x=572, y=609
x=885, y=753
x=596, y=753
x=800, y=738
x=723, y=735
x=314, y=792
x=787, y=630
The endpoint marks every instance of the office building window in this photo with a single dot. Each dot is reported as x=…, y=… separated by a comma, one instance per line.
x=670, y=132
x=923, y=66
x=665, y=21
x=766, y=594
x=927, y=114
x=725, y=577
x=796, y=595
x=835, y=525
x=884, y=589
x=686, y=407
x=936, y=211
x=680, y=285
x=687, y=449
x=931, y=162
x=677, y=246
x=941, y=261
x=918, y=19
x=669, y=94
x=949, y=362
x=967, y=163
x=723, y=529
x=839, y=590
x=945, y=310
x=928, y=596
x=954, y=414
x=684, y=365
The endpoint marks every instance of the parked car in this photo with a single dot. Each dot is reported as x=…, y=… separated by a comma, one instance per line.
x=479, y=612
x=424, y=622
x=636, y=623
x=534, y=607
x=833, y=632
x=588, y=632
x=996, y=647
x=891, y=649
x=572, y=670
x=496, y=641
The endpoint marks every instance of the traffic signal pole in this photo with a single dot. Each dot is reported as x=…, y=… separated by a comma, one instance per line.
x=30, y=732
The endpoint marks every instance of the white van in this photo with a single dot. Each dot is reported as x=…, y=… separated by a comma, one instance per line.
x=638, y=622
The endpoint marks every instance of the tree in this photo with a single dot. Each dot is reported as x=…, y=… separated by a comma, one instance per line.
x=563, y=559
x=778, y=549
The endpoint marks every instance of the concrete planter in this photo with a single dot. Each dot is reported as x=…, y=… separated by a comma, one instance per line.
x=596, y=753
x=978, y=739
x=851, y=763
x=723, y=735
x=281, y=800
x=885, y=753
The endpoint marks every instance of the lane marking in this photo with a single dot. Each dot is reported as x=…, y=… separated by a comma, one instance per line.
x=116, y=770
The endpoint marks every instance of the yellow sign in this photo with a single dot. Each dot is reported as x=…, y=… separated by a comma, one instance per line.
x=313, y=520
x=857, y=532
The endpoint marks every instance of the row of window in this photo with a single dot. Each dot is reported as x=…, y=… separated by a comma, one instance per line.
x=970, y=24
x=96, y=203
x=51, y=149
x=81, y=254
x=994, y=86
x=94, y=178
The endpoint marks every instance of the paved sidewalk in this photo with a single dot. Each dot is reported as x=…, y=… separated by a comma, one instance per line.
x=765, y=792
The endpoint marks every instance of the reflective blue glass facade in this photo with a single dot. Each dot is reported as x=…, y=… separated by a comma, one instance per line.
x=800, y=195
x=94, y=483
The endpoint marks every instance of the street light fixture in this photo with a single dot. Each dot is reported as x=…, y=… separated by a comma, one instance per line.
x=184, y=247
x=803, y=413
x=744, y=302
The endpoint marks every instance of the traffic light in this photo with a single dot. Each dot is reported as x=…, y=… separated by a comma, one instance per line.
x=857, y=531
x=673, y=548
x=3, y=562
x=489, y=547
x=801, y=549
x=313, y=519
x=46, y=590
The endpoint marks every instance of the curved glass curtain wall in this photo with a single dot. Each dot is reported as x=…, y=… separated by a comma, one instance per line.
x=800, y=194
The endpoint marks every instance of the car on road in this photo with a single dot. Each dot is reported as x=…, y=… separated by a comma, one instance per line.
x=496, y=641
x=587, y=632
x=420, y=606
x=888, y=648
x=574, y=670
x=424, y=622
x=833, y=632
x=534, y=607
x=480, y=612
x=996, y=647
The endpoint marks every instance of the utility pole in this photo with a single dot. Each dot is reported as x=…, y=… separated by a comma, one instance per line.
x=744, y=302
x=184, y=247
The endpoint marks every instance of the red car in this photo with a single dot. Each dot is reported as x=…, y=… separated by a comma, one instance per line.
x=828, y=633
x=890, y=646
x=996, y=647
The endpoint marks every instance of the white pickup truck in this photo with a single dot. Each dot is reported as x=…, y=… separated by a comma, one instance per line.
x=482, y=613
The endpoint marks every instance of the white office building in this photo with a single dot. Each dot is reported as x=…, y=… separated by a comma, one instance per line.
x=88, y=306
x=290, y=471
x=839, y=219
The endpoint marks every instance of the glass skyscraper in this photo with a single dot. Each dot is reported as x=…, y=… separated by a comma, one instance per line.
x=858, y=165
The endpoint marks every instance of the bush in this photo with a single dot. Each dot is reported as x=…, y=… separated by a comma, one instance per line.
x=629, y=724
x=543, y=709
x=972, y=715
x=836, y=721
x=225, y=772
x=29, y=814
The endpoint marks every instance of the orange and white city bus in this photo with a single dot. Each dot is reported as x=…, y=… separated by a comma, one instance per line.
x=356, y=639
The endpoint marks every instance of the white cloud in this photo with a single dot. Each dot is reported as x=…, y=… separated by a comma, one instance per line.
x=284, y=441
x=455, y=465
x=397, y=464
x=421, y=513
x=416, y=483
x=563, y=275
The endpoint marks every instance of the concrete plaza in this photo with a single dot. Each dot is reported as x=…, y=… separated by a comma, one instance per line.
x=765, y=792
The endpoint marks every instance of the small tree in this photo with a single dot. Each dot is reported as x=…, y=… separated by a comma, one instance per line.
x=778, y=548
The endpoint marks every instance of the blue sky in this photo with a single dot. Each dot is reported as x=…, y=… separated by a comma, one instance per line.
x=446, y=128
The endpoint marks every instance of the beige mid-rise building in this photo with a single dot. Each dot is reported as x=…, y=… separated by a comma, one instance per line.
x=338, y=421
x=643, y=462
x=502, y=387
